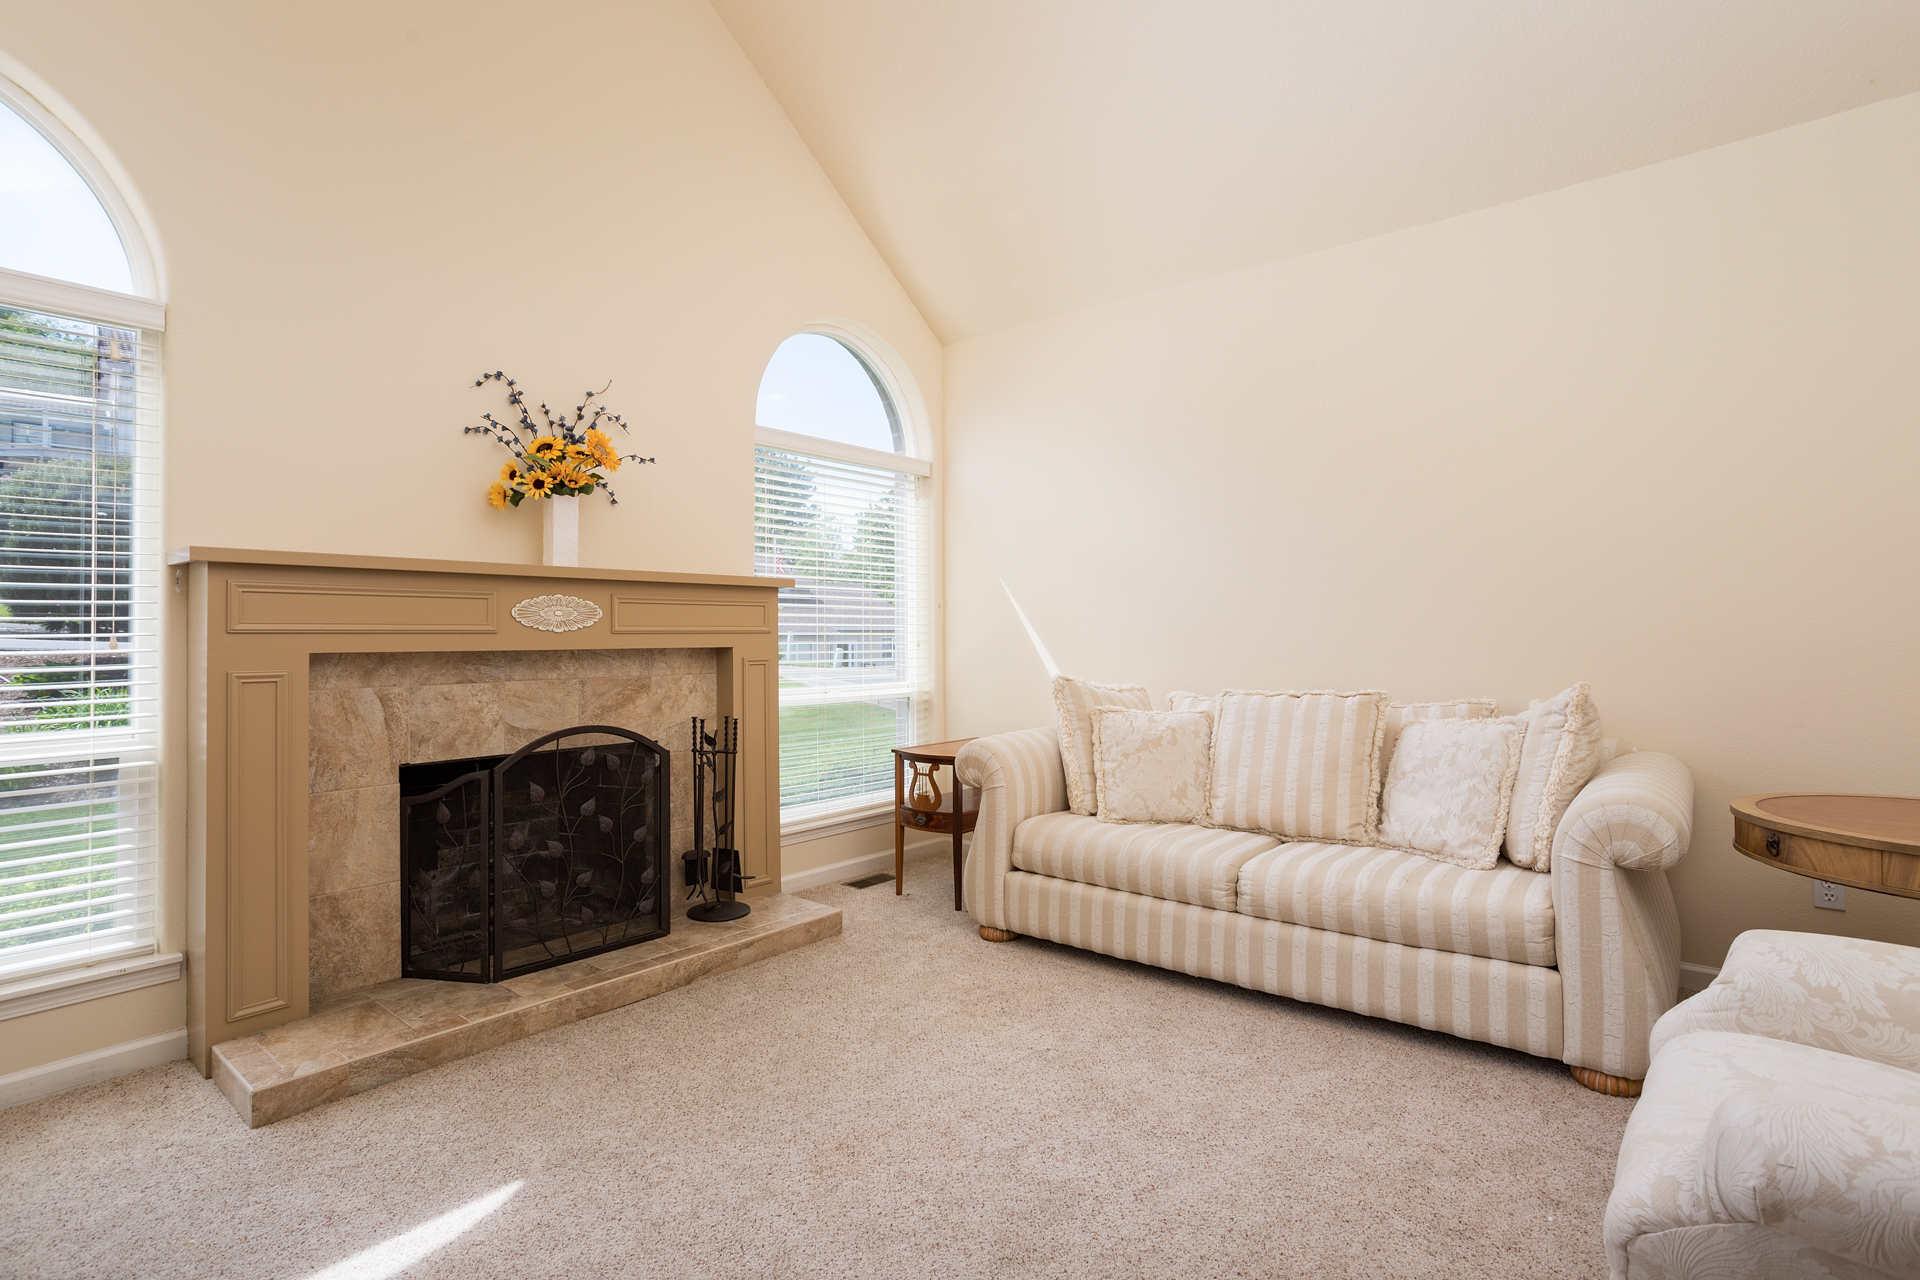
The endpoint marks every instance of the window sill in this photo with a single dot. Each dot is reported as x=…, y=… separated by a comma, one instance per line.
x=36, y=995
x=797, y=830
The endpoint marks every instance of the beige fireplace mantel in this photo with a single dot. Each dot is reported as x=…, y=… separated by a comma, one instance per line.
x=254, y=620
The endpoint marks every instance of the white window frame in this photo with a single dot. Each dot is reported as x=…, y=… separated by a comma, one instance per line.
x=825, y=818
x=74, y=977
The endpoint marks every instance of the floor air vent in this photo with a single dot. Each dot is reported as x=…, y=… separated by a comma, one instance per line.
x=867, y=882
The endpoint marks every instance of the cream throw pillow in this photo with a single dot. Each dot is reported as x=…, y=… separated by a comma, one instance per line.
x=1449, y=788
x=1560, y=756
x=1301, y=766
x=1402, y=714
x=1152, y=766
x=1074, y=701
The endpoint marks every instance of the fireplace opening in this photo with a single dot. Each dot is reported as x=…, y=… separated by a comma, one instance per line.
x=512, y=864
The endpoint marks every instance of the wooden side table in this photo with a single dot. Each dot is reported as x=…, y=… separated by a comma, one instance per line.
x=956, y=799
x=1862, y=841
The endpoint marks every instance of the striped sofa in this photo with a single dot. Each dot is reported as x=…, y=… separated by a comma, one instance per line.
x=1575, y=964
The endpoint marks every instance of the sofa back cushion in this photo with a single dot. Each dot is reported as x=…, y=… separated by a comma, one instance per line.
x=1073, y=703
x=1301, y=766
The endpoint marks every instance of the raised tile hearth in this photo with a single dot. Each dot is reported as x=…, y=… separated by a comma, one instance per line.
x=365, y=1038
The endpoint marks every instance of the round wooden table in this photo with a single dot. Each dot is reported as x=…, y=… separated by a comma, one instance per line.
x=1862, y=841
x=933, y=817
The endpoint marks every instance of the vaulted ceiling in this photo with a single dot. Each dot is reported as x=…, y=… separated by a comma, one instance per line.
x=1015, y=159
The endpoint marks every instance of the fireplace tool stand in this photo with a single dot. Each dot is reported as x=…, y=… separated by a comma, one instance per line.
x=713, y=875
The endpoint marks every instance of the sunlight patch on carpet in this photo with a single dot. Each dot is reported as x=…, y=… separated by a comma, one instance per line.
x=390, y=1257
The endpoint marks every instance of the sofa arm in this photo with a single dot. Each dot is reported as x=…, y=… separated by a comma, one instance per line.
x=1616, y=931
x=1637, y=813
x=1020, y=776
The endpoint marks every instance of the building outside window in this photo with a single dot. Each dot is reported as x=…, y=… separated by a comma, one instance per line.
x=840, y=506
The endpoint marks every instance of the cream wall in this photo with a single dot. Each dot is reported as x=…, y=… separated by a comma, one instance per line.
x=362, y=206
x=1656, y=431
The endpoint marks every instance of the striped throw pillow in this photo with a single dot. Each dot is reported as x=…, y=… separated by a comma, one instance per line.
x=1302, y=766
x=1073, y=702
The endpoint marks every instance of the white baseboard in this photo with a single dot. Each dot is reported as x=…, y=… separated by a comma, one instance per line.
x=846, y=869
x=1695, y=977
x=91, y=1068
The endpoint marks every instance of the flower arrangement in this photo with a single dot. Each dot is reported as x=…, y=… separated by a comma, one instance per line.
x=561, y=457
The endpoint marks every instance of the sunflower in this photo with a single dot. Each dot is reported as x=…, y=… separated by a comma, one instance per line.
x=513, y=475
x=497, y=495
x=546, y=448
x=539, y=485
x=571, y=475
x=600, y=446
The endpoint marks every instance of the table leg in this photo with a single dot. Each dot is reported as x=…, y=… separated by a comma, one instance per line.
x=899, y=832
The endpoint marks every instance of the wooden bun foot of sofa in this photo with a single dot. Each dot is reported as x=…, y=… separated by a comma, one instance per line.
x=992, y=934
x=1601, y=1082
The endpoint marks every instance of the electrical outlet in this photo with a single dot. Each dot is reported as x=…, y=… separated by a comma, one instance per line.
x=1830, y=896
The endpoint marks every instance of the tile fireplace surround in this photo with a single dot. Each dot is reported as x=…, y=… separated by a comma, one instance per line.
x=311, y=678
x=370, y=713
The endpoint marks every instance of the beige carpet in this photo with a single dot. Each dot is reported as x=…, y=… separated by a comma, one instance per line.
x=902, y=1100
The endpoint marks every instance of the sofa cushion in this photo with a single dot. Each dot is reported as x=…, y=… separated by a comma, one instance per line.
x=1390, y=896
x=1845, y=994
x=1176, y=862
x=1303, y=766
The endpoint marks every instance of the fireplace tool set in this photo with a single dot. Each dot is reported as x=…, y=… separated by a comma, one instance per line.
x=713, y=875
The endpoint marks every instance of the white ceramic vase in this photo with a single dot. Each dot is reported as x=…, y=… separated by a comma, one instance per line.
x=560, y=531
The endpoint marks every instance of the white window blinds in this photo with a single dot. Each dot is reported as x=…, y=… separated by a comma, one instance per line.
x=79, y=568
x=855, y=673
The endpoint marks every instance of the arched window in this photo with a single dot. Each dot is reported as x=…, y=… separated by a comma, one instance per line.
x=79, y=555
x=840, y=506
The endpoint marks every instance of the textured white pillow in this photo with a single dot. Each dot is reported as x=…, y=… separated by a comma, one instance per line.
x=1402, y=714
x=1074, y=701
x=1181, y=700
x=1449, y=788
x=1152, y=766
x=1560, y=756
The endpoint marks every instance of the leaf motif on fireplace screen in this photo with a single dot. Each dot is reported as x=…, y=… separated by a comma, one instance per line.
x=556, y=613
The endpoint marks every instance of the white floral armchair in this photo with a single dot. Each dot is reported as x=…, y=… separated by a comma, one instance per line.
x=1779, y=1130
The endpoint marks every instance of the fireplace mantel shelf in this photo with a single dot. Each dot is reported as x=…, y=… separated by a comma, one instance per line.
x=399, y=564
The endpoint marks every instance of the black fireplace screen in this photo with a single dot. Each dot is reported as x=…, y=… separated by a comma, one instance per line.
x=515, y=863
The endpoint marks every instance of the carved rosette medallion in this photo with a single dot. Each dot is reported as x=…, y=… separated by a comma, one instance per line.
x=556, y=613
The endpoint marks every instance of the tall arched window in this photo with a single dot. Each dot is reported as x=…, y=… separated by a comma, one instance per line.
x=79, y=555
x=840, y=505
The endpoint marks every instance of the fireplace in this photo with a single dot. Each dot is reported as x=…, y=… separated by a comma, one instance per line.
x=512, y=864
x=311, y=678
